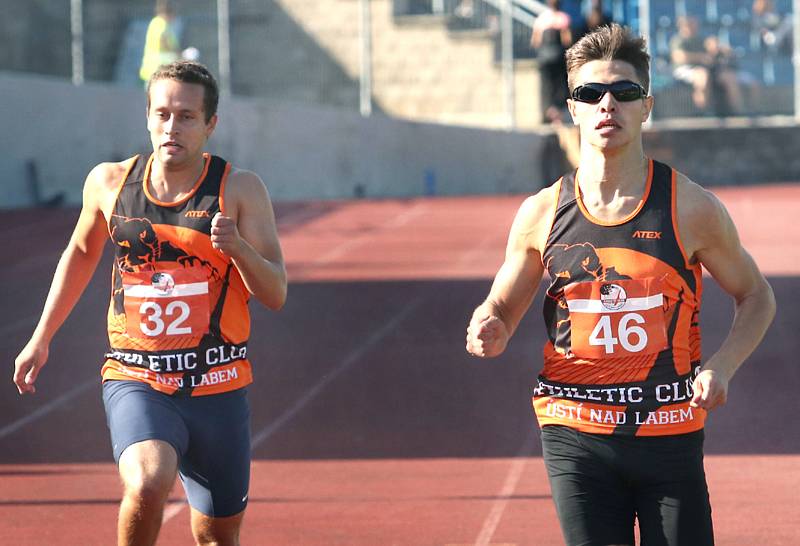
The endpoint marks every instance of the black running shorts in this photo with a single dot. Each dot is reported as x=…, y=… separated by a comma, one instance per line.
x=601, y=484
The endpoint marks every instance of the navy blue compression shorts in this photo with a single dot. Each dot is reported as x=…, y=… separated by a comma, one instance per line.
x=602, y=483
x=211, y=435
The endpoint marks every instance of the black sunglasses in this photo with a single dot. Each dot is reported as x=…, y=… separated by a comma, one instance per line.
x=623, y=91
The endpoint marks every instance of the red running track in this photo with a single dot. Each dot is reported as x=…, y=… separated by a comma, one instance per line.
x=371, y=425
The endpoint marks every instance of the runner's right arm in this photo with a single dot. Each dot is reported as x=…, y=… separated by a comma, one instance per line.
x=496, y=319
x=74, y=270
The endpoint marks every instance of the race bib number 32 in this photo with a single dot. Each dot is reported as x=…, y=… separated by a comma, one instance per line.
x=164, y=304
x=616, y=318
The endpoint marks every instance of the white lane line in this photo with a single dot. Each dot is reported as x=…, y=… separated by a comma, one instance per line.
x=174, y=507
x=47, y=408
x=350, y=244
x=346, y=363
x=353, y=357
x=509, y=486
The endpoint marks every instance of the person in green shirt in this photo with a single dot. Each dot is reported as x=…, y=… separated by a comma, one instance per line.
x=161, y=44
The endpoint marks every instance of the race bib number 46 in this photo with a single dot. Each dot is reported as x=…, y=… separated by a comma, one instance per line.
x=616, y=318
x=164, y=304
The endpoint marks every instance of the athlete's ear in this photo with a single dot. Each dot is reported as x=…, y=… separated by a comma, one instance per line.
x=648, y=107
x=211, y=125
x=571, y=107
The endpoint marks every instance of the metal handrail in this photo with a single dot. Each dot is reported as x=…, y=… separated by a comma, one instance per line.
x=532, y=5
x=516, y=12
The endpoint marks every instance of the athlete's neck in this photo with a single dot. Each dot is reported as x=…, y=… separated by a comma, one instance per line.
x=612, y=185
x=605, y=175
x=170, y=183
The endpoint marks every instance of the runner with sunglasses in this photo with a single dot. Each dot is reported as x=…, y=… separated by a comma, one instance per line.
x=623, y=394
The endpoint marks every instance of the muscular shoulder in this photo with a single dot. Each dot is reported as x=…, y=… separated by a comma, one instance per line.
x=535, y=217
x=243, y=181
x=104, y=181
x=108, y=176
x=244, y=190
x=702, y=218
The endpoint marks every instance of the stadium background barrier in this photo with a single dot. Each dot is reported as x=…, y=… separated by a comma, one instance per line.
x=294, y=111
x=307, y=151
x=302, y=151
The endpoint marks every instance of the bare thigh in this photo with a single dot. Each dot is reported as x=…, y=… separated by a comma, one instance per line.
x=149, y=466
x=217, y=531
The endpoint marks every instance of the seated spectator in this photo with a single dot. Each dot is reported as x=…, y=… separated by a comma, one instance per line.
x=707, y=67
x=733, y=80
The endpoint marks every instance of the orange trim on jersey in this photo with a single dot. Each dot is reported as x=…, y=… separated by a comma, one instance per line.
x=222, y=188
x=146, y=179
x=628, y=218
x=674, y=183
x=136, y=159
x=552, y=221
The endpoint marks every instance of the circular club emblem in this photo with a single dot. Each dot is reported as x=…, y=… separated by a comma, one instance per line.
x=613, y=296
x=163, y=282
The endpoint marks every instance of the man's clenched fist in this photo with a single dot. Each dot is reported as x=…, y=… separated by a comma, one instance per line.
x=225, y=235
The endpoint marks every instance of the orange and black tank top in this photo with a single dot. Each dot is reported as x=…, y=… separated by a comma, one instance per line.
x=178, y=317
x=621, y=314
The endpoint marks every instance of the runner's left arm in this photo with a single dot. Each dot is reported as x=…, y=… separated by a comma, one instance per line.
x=721, y=253
x=247, y=232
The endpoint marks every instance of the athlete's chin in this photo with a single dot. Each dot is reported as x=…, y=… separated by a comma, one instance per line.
x=171, y=157
x=612, y=142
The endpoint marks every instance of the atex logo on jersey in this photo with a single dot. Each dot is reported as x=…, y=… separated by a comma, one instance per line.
x=163, y=283
x=643, y=234
x=613, y=296
x=197, y=214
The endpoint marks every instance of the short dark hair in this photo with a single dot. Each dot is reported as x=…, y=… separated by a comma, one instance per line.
x=189, y=72
x=610, y=43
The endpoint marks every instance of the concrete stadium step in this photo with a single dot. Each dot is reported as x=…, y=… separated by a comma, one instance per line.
x=420, y=69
